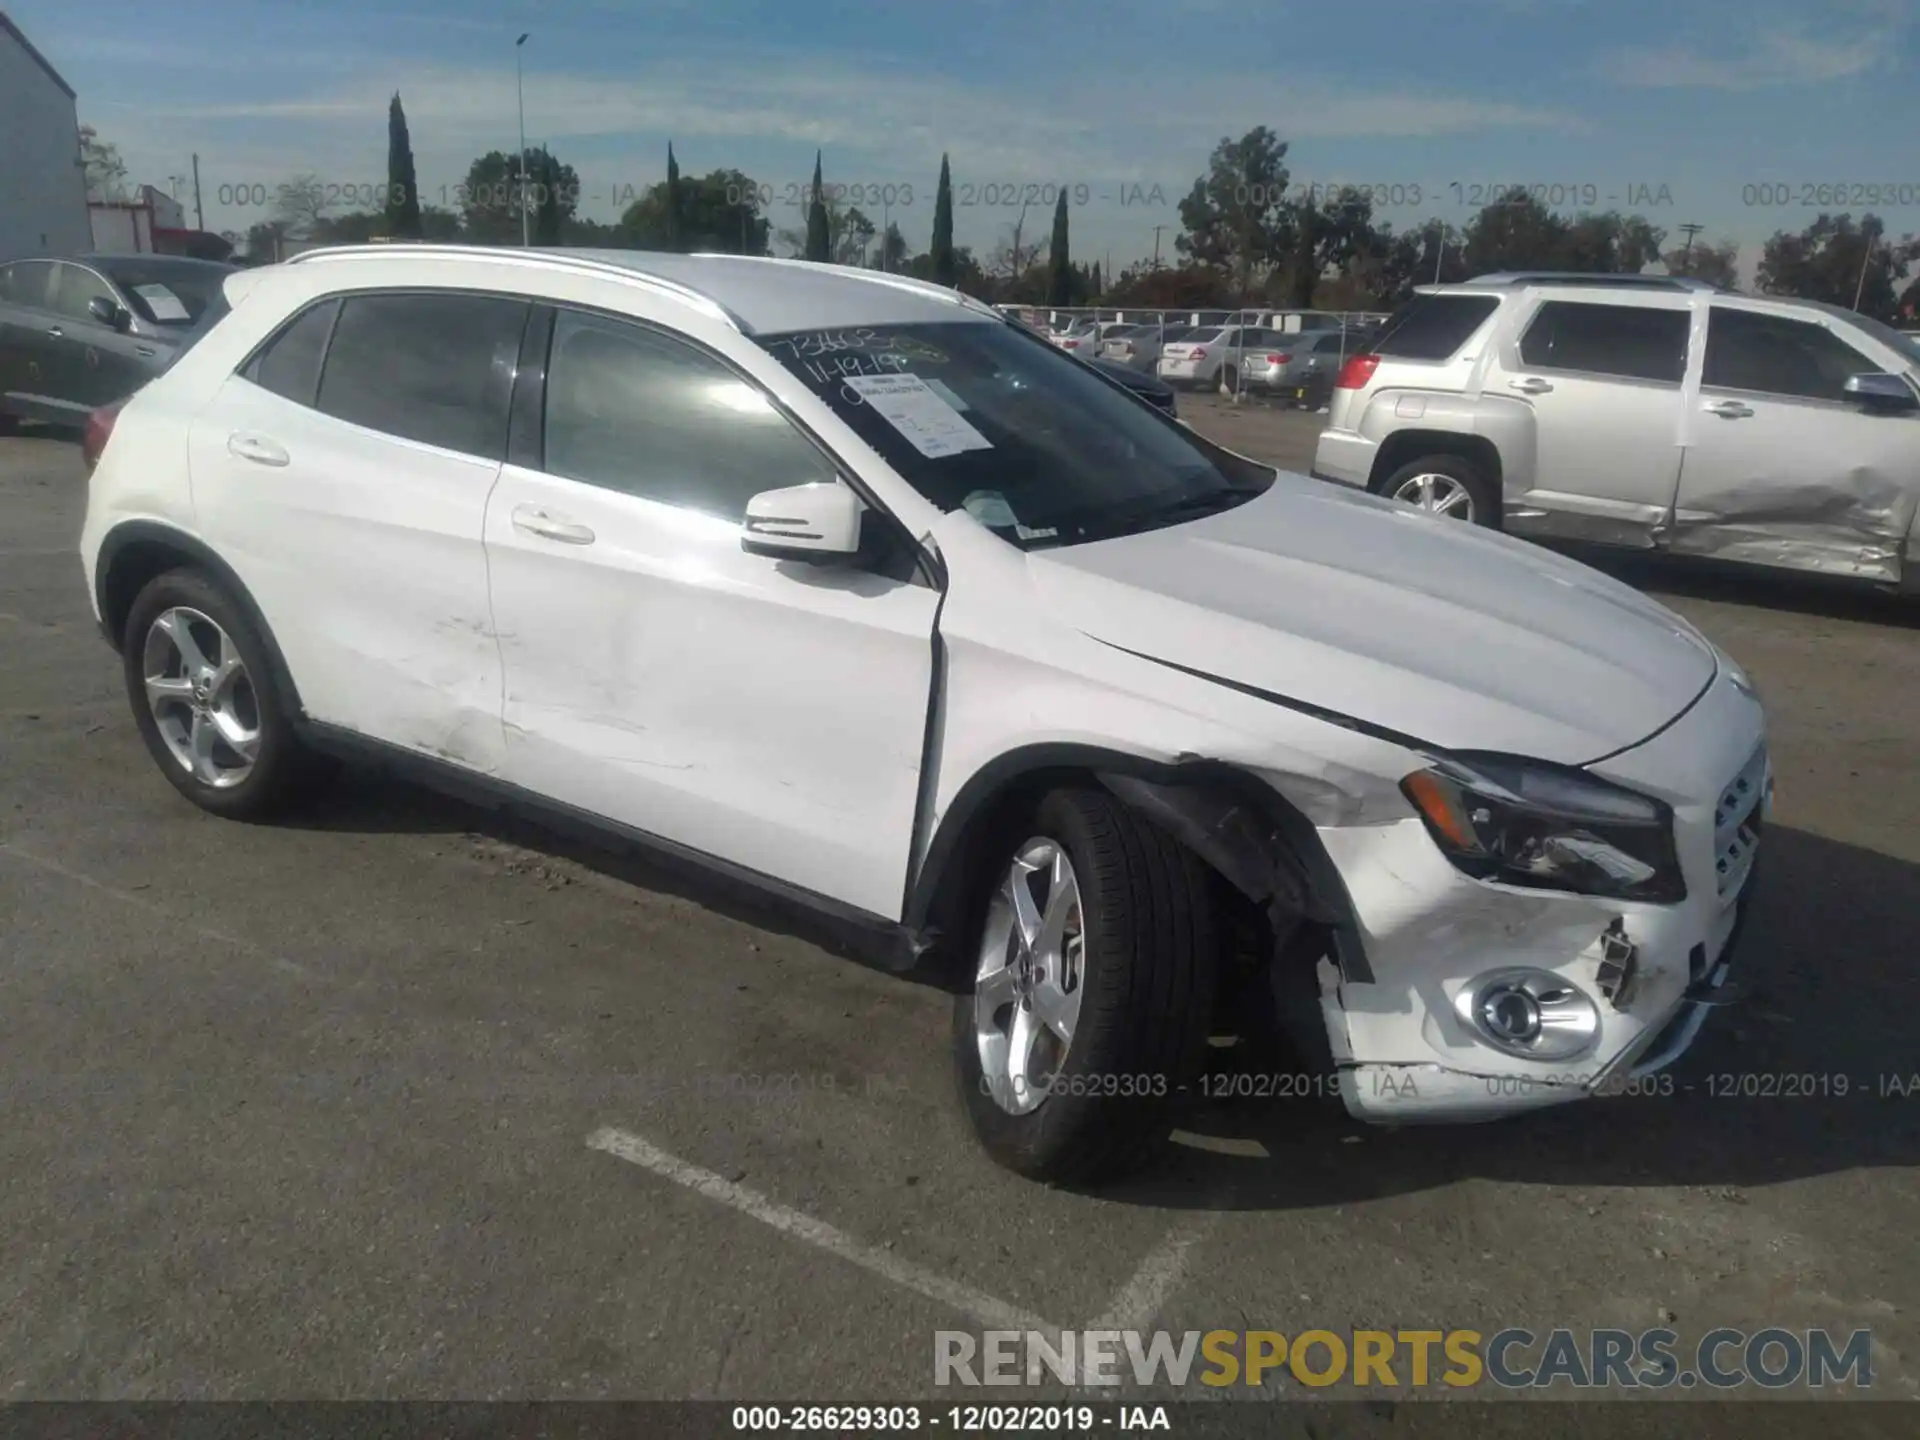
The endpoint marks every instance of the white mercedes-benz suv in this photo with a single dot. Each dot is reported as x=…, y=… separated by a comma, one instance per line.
x=842, y=586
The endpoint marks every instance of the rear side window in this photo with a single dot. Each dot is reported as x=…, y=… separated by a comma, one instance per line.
x=1433, y=327
x=1776, y=356
x=1630, y=341
x=436, y=368
x=632, y=410
x=289, y=366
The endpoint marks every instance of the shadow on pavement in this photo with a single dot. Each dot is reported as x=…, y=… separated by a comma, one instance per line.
x=1829, y=959
x=1702, y=579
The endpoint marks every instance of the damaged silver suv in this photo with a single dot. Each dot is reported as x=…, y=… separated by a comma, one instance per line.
x=1647, y=411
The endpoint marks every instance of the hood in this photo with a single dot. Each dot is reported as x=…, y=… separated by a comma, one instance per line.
x=1343, y=602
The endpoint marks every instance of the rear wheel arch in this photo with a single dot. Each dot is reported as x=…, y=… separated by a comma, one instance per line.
x=136, y=552
x=1403, y=446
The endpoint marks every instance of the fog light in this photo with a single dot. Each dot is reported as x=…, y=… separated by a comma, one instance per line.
x=1532, y=1013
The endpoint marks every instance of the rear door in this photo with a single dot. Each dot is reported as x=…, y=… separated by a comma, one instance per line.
x=768, y=713
x=1782, y=468
x=27, y=349
x=1605, y=381
x=344, y=473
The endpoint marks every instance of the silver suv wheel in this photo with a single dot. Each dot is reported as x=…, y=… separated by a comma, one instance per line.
x=1438, y=495
x=202, y=697
x=1032, y=971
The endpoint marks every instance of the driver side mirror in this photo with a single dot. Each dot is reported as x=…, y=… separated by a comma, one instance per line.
x=1889, y=394
x=116, y=317
x=819, y=523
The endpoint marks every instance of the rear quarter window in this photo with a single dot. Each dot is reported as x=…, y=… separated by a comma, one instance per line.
x=1433, y=327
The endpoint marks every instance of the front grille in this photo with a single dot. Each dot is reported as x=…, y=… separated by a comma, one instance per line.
x=1736, y=824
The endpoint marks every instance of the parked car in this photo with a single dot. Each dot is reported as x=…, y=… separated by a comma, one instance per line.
x=846, y=590
x=78, y=334
x=1652, y=412
x=1087, y=338
x=1137, y=346
x=1300, y=367
x=1150, y=388
x=1210, y=358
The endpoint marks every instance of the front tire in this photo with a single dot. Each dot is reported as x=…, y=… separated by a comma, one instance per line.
x=200, y=680
x=1450, y=487
x=1087, y=1014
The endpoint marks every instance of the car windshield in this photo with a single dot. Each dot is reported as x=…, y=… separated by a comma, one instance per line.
x=1035, y=446
x=165, y=291
x=1905, y=345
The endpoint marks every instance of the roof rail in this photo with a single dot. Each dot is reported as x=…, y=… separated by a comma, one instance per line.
x=544, y=259
x=878, y=277
x=1577, y=277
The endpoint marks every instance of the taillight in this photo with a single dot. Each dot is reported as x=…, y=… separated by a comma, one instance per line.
x=1357, y=373
x=1278, y=359
x=98, y=430
x=1199, y=352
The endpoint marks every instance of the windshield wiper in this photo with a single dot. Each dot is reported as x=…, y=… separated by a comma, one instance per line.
x=1191, y=507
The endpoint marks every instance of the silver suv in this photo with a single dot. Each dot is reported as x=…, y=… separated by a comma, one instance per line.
x=1646, y=411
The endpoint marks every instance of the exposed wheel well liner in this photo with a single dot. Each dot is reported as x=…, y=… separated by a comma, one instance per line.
x=136, y=551
x=1242, y=828
x=1405, y=445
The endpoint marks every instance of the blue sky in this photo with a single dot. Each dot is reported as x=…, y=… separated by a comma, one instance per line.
x=1702, y=97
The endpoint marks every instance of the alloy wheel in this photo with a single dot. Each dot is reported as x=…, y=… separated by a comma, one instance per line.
x=1032, y=972
x=202, y=698
x=1437, y=495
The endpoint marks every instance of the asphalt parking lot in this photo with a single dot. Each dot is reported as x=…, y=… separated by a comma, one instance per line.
x=405, y=1101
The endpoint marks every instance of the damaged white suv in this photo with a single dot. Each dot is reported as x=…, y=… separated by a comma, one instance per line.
x=842, y=586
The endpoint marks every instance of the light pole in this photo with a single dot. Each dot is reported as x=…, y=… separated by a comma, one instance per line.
x=520, y=93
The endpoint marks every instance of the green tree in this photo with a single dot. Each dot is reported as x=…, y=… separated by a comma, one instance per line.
x=490, y=198
x=1095, y=287
x=1060, y=286
x=548, y=220
x=674, y=201
x=1334, y=233
x=1836, y=260
x=852, y=232
x=106, y=172
x=893, y=250
x=719, y=211
x=1515, y=232
x=403, y=188
x=1716, y=264
x=819, y=230
x=1610, y=244
x=356, y=227
x=945, y=271
x=1236, y=216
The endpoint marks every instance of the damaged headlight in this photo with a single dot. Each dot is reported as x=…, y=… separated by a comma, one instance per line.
x=1523, y=822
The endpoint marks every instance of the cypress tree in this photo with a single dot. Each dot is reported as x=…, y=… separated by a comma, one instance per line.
x=1059, y=266
x=819, y=239
x=944, y=270
x=676, y=239
x=403, y=190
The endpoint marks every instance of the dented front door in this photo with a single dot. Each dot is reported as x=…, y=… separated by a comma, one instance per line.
x=1780, y=467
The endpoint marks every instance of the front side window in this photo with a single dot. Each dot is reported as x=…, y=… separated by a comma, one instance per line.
x=433, y=367
x=75, y=288
x=633, y=410
x=981, y=417
x=1773, y=355
x=1633, y=342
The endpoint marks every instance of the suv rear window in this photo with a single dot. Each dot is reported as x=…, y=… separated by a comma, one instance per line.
x=1433, y=327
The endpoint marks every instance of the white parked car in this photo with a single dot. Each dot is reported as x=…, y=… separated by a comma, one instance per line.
x=1210, y=358
x=842, y=586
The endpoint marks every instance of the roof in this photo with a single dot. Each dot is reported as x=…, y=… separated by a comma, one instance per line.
x=1597, y=279
x=759, y=295
x=7, y=25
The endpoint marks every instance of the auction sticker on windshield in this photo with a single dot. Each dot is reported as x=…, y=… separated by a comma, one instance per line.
x=912, y=407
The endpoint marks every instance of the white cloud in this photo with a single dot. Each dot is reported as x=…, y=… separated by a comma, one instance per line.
x=1856, y=38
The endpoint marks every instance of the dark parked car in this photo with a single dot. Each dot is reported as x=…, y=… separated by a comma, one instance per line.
x=76, y=334
x=1149, y=388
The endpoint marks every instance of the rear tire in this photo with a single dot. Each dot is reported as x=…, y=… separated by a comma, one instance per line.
x=1447, y=486
x=208, y=704
x=1140, y=986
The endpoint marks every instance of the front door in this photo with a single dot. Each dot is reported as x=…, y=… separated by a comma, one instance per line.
x=99, y=364
x=1605, y=382
x=768, y=713
x=1782, y=468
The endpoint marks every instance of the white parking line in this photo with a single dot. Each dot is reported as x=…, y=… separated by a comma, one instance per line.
x=989, y=1312
x=1165, y=1266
